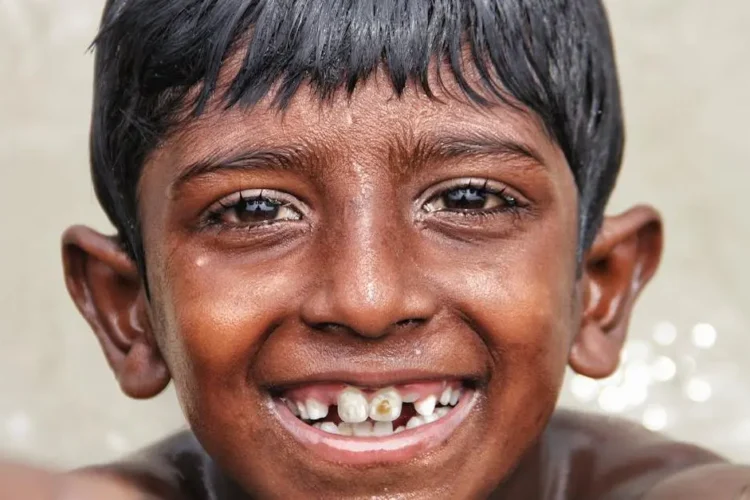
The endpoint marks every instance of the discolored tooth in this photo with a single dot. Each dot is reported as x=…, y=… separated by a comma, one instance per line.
x=400, y=428
x=292, y=407
x=302, y=410
x=318, y=425
x=385, y=405
x=455, y=397
x=445, y=397
x=382, y=429
x=426, y=406
x=441, y=412
x=362, y=429
x=345, y=429
x=414, y=422
x=329, y=427
x=352, y=406
x=315, y=409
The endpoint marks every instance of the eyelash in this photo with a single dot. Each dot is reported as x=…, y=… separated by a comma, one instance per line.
x=510, y=204
x=216, y=213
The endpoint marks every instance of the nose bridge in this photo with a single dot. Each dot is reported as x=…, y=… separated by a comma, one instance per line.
x=369, y=273
x=370, y=282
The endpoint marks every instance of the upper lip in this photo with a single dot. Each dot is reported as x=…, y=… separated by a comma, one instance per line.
x=371, y=379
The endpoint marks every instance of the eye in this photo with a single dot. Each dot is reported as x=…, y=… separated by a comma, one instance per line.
x=254, y=208
x=470, y=197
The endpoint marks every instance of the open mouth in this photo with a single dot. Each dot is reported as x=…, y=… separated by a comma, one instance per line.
x=363, y=425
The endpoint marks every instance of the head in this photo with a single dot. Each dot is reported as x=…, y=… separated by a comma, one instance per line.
x=393, y=193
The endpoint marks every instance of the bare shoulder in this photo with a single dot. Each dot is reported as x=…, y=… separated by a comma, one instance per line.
x=715, y=481
x=176, y=468
x=27, y=482
x=615, y=459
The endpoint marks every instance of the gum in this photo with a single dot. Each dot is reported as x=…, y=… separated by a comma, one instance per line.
x=328, y=393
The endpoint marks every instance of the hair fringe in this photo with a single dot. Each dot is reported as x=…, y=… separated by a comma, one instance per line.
x=554, y=57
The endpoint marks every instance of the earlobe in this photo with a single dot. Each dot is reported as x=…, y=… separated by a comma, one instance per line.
x=622, y=260
x=105, y=286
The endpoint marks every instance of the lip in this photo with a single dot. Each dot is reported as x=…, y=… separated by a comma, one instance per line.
x=372, y=379
x=401, y=447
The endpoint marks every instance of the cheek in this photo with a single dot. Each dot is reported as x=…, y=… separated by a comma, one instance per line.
x=522, y=307
x=524, y=312
x=216, y=314
x=520, y=298
x=520, y=295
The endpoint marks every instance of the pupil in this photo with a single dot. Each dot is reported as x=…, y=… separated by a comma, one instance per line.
x=257, y=210
x=465, y=198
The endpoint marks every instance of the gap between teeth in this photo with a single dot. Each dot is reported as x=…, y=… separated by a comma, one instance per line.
x=363, y=418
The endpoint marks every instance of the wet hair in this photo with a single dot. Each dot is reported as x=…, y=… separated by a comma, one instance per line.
x=157, y=58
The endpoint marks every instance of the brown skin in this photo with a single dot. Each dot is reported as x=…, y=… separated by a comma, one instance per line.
x=367, y=280
x=29, y=483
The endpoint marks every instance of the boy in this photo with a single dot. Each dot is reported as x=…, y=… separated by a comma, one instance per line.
x=364, y=238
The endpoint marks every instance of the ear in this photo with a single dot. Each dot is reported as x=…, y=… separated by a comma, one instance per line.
x=105, y=286
x=623, y=258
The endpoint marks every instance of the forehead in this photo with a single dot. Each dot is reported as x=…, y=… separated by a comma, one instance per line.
x=372, y=117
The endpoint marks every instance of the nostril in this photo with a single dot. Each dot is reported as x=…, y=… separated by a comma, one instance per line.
x=409, y=322
x=333, y=327
x=329, y=327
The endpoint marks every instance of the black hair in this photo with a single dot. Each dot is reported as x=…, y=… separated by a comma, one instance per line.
x=157, y=58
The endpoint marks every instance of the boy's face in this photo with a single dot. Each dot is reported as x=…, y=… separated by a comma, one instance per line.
x=370, y=242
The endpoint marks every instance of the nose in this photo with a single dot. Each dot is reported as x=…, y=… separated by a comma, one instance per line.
x=370, y=283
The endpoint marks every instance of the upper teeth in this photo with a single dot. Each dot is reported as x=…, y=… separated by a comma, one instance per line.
x=302, y=410
x=455, y=396
x=426, y=406
x=445, y=397
x=382, y=408
x=410, y=397
x=385, y=406
x=315, y=409
x=353, y=407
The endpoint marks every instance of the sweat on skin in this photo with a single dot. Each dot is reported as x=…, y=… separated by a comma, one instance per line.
x=365, y=256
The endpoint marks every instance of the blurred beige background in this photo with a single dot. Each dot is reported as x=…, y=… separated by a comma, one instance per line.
x=686, y=74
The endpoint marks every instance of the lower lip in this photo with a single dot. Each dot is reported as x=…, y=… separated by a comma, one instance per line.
x=370, y=450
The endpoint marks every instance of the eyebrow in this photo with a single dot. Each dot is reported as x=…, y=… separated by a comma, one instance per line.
x=464, y=146
x=292, y=157
x=425, y=151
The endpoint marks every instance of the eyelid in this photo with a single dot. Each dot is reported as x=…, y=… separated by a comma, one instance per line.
x=249, y=194
x=495, y=187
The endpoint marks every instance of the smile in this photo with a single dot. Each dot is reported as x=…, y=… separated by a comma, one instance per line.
x=353, y=425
